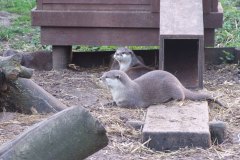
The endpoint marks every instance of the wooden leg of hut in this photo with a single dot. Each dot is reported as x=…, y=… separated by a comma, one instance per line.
x=209, y=37
x=61, y=56
x=71, y=134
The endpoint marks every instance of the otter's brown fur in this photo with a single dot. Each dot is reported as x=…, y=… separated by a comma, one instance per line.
x=135, y=72
x=128, y=62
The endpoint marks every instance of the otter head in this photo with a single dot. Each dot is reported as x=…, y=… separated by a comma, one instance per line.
x=124, y=56
x=114, y=79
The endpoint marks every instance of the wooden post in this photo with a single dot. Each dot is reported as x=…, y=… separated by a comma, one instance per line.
x=61, y=56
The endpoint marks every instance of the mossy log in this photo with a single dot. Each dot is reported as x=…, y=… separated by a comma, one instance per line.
x=71, y=134
x=39, y=60
x=11, y=69
x=27, y=97
x=18, y=93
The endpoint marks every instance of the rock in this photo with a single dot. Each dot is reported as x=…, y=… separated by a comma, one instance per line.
x=236, y=138
x=174, y=127
x=218, y=131
x=135, y=124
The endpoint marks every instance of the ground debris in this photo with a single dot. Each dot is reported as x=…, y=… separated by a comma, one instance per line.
x=83, y=88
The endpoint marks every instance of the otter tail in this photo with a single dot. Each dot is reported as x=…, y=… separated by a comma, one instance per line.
x=200, y=96
x=195, y=95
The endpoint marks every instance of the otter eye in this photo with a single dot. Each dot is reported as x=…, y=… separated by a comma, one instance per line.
x=118, y=76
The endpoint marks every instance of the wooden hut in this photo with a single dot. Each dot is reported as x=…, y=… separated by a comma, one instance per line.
x=178, y=26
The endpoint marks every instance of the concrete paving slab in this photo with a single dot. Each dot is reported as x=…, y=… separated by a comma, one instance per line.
x=174, y=127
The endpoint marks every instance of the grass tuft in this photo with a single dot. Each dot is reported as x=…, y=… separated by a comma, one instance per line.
x=20, y=35
x=21, y=7
x=229, y=35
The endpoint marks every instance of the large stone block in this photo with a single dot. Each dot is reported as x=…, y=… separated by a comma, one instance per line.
x=174, y=127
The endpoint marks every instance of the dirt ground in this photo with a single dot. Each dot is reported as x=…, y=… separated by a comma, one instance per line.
x=5, y=18
x=82, y=88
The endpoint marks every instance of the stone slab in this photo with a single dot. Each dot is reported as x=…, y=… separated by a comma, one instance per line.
x=174, y=127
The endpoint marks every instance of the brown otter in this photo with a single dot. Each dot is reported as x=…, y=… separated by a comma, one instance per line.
x=128, y=62
x=135, y=72
x=151, y=88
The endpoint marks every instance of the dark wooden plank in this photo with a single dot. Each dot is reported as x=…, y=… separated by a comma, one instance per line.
x=108, y=19
x=201, y=62
x=207, y=4
x=99, y=36
x=184, y=20
x=212, y=55
x=97, y=7
x=214, y=19
x=95, y=19
x=209, y=37
x=99, y=1
x=215, y=5
x=155, y=5
x=39, y=4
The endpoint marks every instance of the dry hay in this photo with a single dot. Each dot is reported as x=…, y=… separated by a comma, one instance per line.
x=12, y=124
x=83, y=88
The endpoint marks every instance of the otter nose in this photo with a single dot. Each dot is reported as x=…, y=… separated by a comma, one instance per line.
x=102, y=78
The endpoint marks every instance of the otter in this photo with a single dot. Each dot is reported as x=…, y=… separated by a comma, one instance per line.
x=151, y=88
x=135, y=72
x=128, y=62
x=126, y=58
